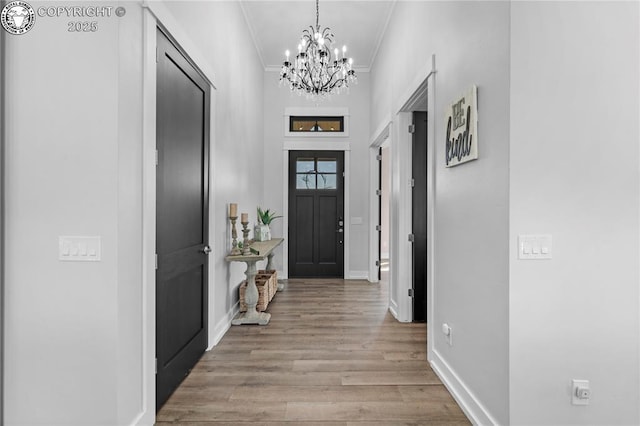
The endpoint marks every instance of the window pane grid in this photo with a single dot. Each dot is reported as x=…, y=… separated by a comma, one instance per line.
x=314, y=174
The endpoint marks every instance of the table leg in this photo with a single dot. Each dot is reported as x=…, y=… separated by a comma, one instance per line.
x=252, y=316
x=270, y=266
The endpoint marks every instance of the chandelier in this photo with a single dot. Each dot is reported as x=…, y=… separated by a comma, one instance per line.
x=314, y=71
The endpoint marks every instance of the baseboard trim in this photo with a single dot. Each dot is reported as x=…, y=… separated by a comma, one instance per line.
x=470, y=405
x=358, y=275
x=393, y=308
x=223, y=326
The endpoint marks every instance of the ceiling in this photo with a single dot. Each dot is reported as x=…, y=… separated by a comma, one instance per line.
x=277, y=26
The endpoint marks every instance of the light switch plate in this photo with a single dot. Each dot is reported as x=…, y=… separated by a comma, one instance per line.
x=533, y=247
x=79, y=249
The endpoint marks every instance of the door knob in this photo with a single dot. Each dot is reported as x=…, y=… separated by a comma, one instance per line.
x=206, y=250
x=340, y=230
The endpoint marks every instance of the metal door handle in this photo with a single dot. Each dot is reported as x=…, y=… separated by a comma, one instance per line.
x=206, y=250
x=340, y=230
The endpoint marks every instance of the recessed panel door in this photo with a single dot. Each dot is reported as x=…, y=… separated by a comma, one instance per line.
x=419, y=216
x=183, y=97
x=316, y=214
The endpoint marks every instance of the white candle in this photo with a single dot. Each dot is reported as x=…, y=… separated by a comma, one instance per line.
x=233, y=210
x=244, y=218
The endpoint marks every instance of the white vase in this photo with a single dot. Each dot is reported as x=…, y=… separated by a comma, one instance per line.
x=262, y=233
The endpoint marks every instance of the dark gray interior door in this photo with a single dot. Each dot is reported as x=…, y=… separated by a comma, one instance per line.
x=419, y=216
x=379, y=225
x=182, y=210
x=316, y=214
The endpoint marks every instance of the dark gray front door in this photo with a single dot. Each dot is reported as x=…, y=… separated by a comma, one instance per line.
x=419, y=216
x=183, y=98
x=316, y=214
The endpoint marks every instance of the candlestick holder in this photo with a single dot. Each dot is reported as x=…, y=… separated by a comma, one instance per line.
x=234, y=237
x=245, y=241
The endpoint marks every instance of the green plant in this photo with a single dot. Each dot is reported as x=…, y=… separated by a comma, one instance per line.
x=265, y=216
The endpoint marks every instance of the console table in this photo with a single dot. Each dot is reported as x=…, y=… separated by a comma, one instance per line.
x=260, y=250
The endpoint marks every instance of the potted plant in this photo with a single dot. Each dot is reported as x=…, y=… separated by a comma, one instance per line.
x=262, y=231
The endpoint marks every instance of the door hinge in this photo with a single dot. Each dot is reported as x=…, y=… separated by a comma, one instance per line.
x=156, y=261
x=377, y=263
x=412, y=182
x=412, y=237
x=412, y=128
x=156, y=365
x=410, y=292
x=378, y=227
x=379, y=157
x=157, y=158
x=156, y=55
x=378, y=192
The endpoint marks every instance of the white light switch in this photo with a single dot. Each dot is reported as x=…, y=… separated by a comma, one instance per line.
x=79, y=249
x=531, y=247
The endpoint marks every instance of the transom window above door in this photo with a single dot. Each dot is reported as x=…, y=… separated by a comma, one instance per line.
x=308, y=123
x=302, y=124
x=316, y=173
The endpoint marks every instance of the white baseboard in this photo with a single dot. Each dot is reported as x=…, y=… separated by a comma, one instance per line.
x=358, y=275
x=393, y=308
x=223, y=326
x=470, y=405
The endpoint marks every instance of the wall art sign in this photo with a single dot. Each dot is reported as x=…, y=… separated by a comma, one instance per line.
x=462, y=129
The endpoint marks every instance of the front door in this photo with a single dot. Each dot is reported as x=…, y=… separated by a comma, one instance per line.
x=316, y=214
x=182, y=128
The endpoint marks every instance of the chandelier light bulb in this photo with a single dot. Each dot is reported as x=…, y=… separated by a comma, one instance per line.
x=287, y=53
x=335, y=52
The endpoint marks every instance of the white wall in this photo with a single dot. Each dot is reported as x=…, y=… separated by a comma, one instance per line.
x=276, y=99
x=71, y=170
x=74, y=167
x=575, y=175
x=471, y=43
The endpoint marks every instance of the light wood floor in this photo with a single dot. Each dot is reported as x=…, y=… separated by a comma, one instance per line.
x=331, y=355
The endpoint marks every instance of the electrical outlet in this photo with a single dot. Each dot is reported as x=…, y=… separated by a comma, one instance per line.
x=580, y=392
x=448, y=333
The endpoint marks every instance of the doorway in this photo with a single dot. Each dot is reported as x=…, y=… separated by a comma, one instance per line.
x=182, y=205
x=384, y=213
x=419, y=215
x=316, y=214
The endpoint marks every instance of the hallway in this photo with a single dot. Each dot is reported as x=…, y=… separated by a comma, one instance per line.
x=331, y=355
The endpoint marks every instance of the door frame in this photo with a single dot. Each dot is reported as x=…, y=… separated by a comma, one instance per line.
x=395, y=127
x=155, y=15
x=313, y=145
x=2, y=183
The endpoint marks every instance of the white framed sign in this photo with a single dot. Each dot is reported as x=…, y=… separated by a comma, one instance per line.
x=461, y=122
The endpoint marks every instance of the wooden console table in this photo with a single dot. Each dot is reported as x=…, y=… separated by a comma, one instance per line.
x=264, y=250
